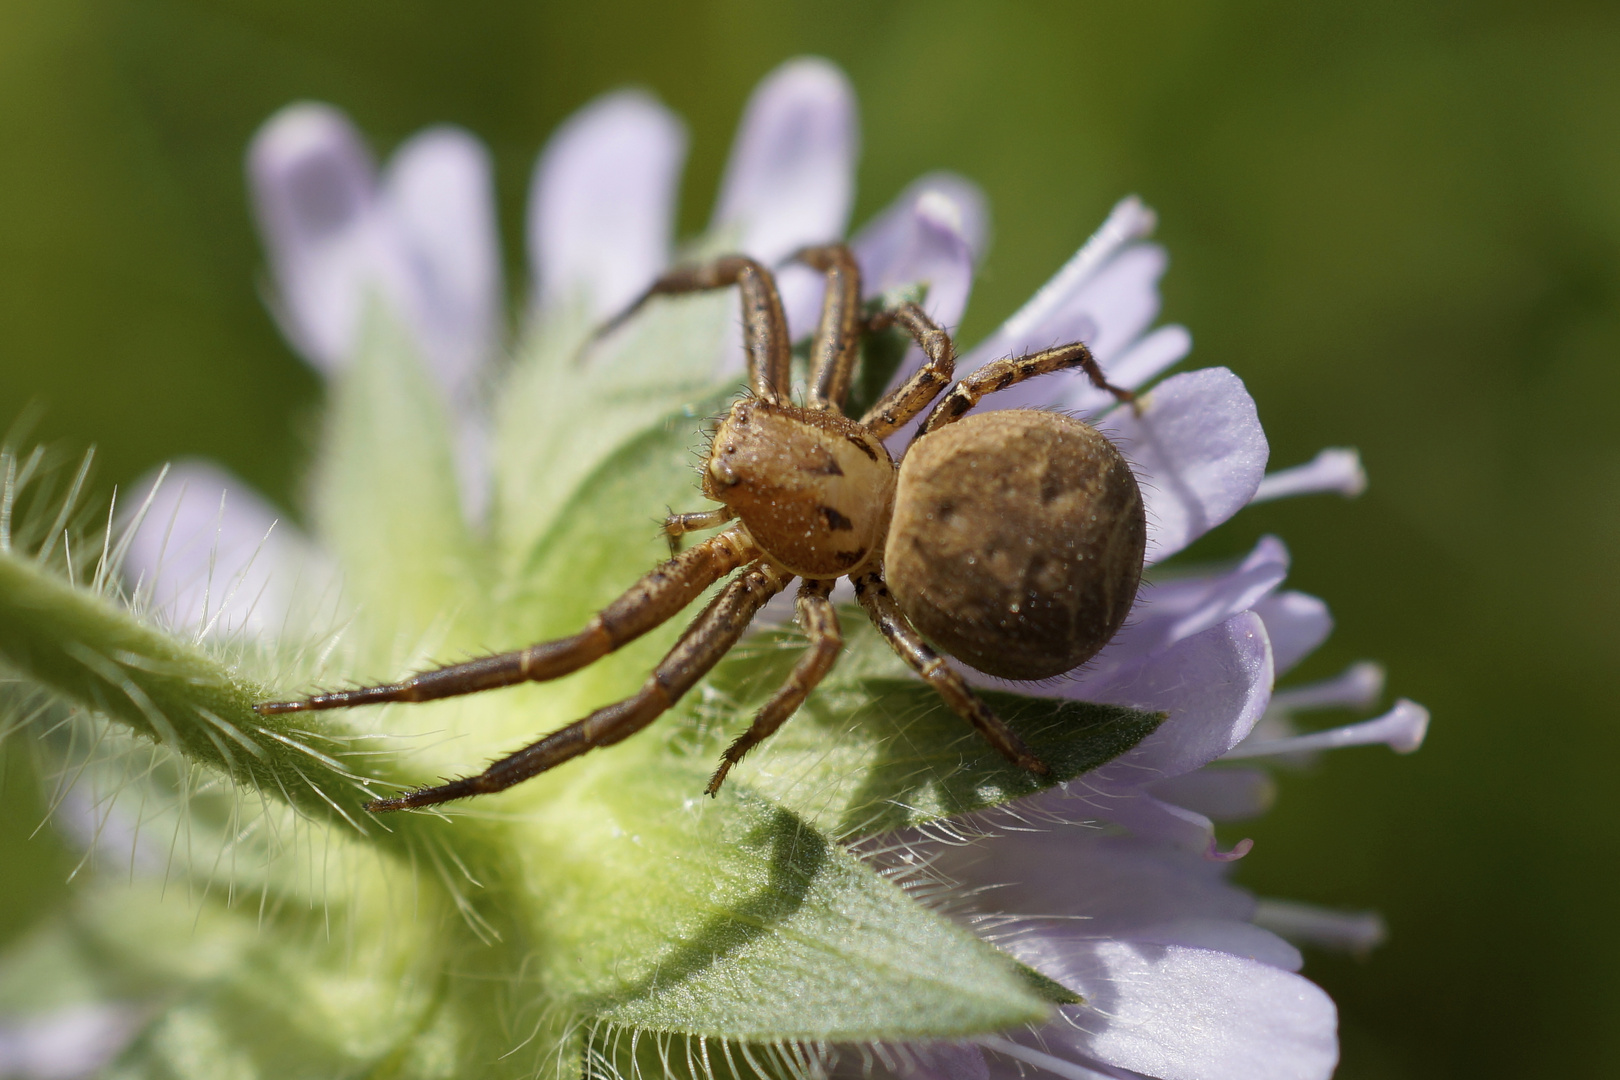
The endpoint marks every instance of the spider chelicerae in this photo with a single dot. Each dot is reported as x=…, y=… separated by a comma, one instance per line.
x=1011, y=540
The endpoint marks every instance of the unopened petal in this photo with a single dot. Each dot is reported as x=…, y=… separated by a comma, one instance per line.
x=791, y=177
x=437, y=195
x=1336, y=469
x=1198, y=451
x=1308, y=924
x=1181, y=1013
x=602, y=202
x=1357, y=687
x=313, y=184
x=1402, y=729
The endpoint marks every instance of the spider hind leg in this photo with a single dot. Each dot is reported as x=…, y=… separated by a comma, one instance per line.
x=903, y=638
x=819, y=618
x=710, y=636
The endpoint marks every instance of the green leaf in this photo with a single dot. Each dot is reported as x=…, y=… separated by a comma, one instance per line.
x=875, y=750
x=663, y=910
x=387, y=502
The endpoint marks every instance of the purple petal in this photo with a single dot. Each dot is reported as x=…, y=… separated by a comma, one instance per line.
x=1334, y=469
x=1352, y=931
x=1142, y=362
x=602, y=202
x=1051, y=316
x=1223, y=935
x=208, y=555
x=437, y=196
x=1108, y=311
x=1198, y=452
x=76, y=1041
x=314, y=192
x=1221, y=794
x=1296, y=623
x=1214, y=685
x=1177, y=608
x=920, y=238
x=1357, y=687
x=1402, y=729
x=1182, y=1013
x=1148, y=818
x=790, y=179
x=1118, y=883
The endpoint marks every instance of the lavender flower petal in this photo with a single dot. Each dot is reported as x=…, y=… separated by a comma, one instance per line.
x=437, y=195
x=790, y=180
x=209, y=556
x=1337, y=469
x=1297, y=623
x=1198, y=451
x=1175, y=609
x=314, y=192
x=923, y=237
x=1214, y=685
x=1402, y=729
x=602, y=202
x=1042, y=321
x=1181, y=1013
x=71, y=1042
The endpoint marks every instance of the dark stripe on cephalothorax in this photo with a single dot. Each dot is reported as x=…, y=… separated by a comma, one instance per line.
x=860, y=444
x=835, y=521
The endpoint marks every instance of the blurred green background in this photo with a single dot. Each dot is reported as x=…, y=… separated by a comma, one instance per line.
x=1399, y=222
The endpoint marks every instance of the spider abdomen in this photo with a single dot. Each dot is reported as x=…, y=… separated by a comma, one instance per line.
x=1017, y=541
x=813, y=488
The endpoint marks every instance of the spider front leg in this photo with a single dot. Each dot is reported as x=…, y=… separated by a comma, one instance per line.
x=833, y=350
x=904, y=402
x=819, y=619
x=765, y=332
x=903, y=638
x=711, y=635
x=1012, y=370
x=650, y=602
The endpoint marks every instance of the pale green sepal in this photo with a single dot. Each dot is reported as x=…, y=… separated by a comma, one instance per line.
x=387, y=503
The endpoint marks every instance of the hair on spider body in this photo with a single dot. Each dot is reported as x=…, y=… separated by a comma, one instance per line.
x=1010, y=540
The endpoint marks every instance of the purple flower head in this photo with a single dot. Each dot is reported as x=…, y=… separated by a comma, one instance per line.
x=1111, y=885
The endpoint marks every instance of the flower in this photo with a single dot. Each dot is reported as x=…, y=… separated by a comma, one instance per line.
x=458, y=503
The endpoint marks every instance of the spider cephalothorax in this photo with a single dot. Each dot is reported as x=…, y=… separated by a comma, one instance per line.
x=1012, y=540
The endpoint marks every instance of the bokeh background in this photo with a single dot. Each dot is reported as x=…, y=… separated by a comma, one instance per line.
x=1398, y=221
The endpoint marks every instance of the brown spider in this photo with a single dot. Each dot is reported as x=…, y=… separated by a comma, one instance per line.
x=1012, y=540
